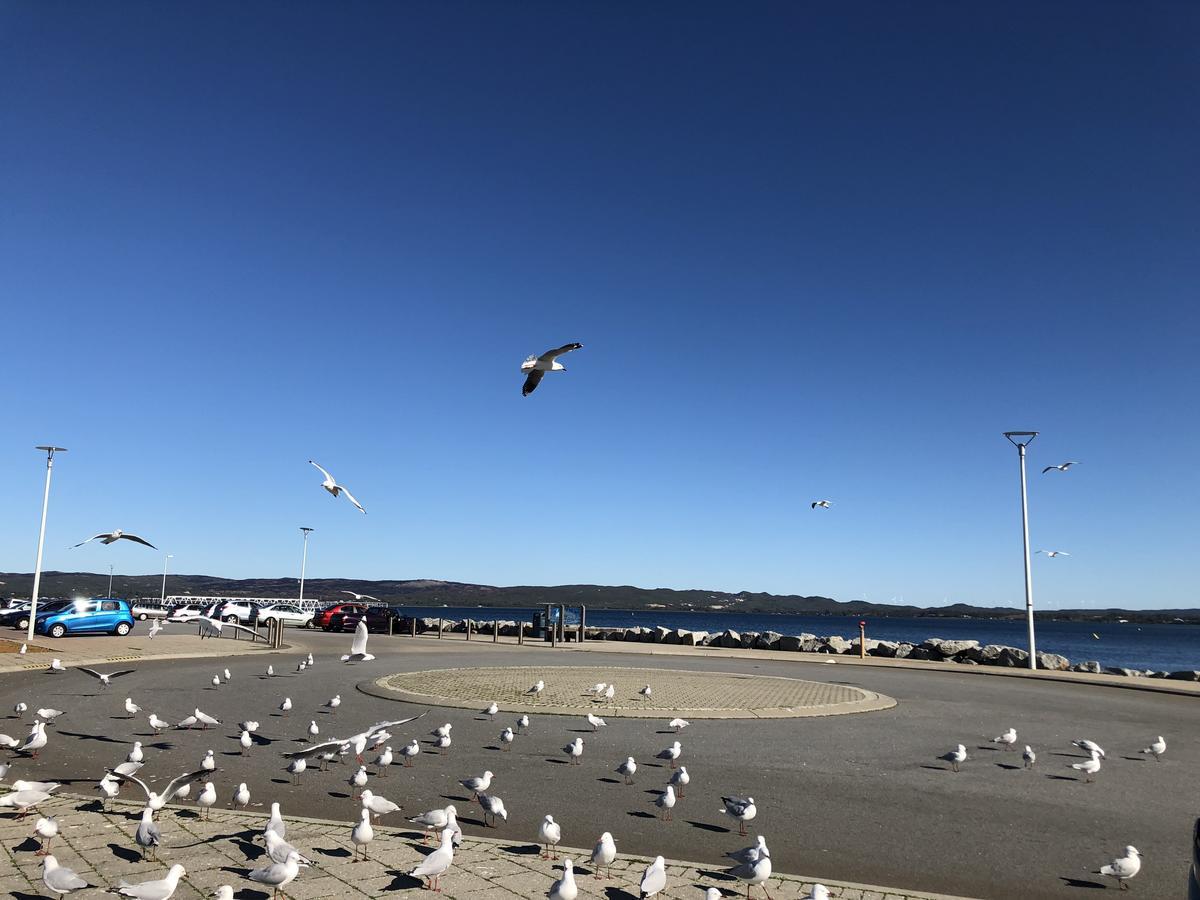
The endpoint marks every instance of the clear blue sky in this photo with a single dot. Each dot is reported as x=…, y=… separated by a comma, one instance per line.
x=812, y=250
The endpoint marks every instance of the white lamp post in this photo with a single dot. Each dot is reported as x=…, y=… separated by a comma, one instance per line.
x=304, y=559
x=1021, y=440
x=110, y=568
x=37, y=569
x=162, y=601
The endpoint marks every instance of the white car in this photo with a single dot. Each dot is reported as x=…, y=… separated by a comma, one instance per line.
x=287, y=614
x=185, y=613
x=142, y=612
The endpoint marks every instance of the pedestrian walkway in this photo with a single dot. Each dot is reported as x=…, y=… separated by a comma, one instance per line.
x=220, y=850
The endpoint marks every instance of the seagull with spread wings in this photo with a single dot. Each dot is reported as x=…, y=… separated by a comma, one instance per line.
x=109, y=537
x=337, y=744
x=105, y=678
x=157, y=801
x=358, y=646
x=1054, y=553
x=334, y=488
x=360, y=596
x=537, y=366
x=1061, y=467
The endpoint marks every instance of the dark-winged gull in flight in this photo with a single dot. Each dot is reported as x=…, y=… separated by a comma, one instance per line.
x=109, y=537
x=537, y=366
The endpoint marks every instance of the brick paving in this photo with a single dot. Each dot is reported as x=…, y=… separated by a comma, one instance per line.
x=673, y=692
x=220, y=850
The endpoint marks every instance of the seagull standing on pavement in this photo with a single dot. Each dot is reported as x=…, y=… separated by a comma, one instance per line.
x=45, y=828
x=411, y=752
x=131, y=708
x=537, y=366
x=1123, y=867
x=362, y=834
x=956, y=757
x=1089, y=746
x=596, y=722
x=603, y=854
x=565, y=887
x=666, y=802
x=522, y=724
x=108, y=537
x=1089, y=767
x=477, y=784
x=148, y=836
x=492, y=806
x=627, y=769
x=754, y=872
x=506, y=739
x=679, y=780
x=654, y=879
x=1029, y=756
x=334, y=488
x=741, y=808
x=1158, y=748
x=645, y=692
x=671, y=754
x=574, y=750
x=59, y=879
x=1008, y=739
x=437, y=863
x=536, y=690
x=678, y=724
x=549, y=835
x=278, y=875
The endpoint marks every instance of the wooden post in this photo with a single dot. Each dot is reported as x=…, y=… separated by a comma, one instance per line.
x=520, y=632
x=441, y=623
x=496, y=631
x=413, y=627
x=391, y=625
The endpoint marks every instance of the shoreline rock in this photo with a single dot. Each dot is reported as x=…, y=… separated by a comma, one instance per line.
x=933, y=649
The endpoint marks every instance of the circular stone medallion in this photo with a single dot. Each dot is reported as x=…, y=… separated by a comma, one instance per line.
x=568, y=690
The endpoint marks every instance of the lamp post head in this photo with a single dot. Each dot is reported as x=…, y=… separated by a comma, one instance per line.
x=306, y=529
x=52, y=449
x=1028, y=435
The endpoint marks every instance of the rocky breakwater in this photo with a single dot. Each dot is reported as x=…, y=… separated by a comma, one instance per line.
x=968, y=653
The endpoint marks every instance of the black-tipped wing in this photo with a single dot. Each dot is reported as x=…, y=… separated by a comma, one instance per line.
x=380, y=726
x=138, y=540
x=102, y=534
x=308, y=752
x=121, y=672
x=174, y=785
x=91, y=672
x=551, y=355
x=531, y=382
x=131, y=777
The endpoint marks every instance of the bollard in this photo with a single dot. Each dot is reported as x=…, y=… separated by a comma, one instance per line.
x=862, y=639
x=520, y=632
x=468, y=629
x=496, y=632
x=441, y=623
x=391, y=625
x=582, y=623
x=413, y=627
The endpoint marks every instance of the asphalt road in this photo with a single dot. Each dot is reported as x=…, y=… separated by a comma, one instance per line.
x=860, y=798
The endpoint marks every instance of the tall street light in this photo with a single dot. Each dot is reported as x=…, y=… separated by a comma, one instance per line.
x=162, y=601
x=110, y=568
x=37, y=569
x=304, y=559
x=1021, y=440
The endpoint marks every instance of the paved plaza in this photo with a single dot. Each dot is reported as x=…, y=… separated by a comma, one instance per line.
x=853, y=799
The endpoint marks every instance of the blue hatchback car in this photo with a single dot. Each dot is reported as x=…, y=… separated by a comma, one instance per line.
x=100, y=614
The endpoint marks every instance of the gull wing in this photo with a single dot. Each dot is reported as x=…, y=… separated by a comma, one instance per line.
x=91, y=672
x=95, y=537
x=131, y=777
x=323, y=472
x=178, y=782
x=531, y=382
x=350, y=497
x=314, y=750
x=551, y=355
x=118, y=674
x=138, y=540
x=380, y=726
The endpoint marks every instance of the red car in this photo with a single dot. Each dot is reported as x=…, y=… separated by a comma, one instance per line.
x=321, y=619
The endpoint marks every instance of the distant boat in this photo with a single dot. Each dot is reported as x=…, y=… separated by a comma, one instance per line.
x=1122, y=621
x=1096, y=636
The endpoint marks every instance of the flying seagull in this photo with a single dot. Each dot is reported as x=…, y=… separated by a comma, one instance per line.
x=109, y=537
x=334, y=488
x=537, y=366
x=1054, y=553
x=824, y=504
x=351, y=593
x=105, y=678
x=1061, y=467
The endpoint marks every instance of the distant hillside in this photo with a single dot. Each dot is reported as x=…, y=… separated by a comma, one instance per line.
x=452, y=593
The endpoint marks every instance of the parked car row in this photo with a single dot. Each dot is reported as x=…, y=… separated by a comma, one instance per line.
x=57, y=618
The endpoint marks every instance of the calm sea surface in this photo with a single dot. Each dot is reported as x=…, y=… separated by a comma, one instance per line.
x=1160, y=647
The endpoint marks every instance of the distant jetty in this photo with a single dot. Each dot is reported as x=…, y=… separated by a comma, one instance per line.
x=963, y=652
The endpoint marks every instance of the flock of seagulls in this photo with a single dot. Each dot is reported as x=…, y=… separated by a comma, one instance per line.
x=1122, y=868
x=284, y=862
